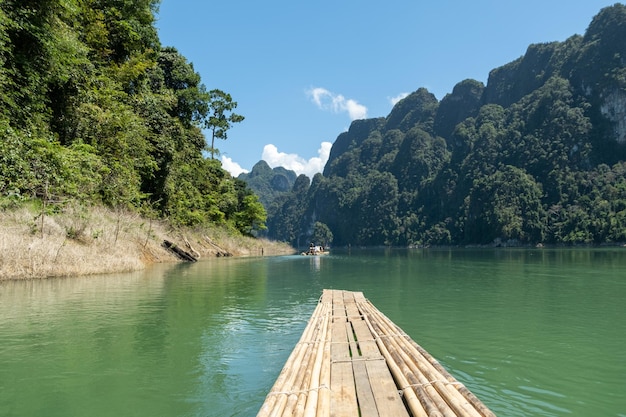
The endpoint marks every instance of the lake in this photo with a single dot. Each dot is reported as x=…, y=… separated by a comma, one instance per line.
x=531, y=332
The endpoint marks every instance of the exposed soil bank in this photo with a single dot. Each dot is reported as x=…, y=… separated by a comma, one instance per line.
x=94, y=241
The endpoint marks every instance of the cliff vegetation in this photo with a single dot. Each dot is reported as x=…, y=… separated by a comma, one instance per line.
x=538, y=155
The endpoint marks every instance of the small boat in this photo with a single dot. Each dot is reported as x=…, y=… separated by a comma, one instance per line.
x=315, y=250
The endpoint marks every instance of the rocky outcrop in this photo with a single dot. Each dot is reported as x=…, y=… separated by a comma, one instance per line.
x=269, y=183
x=614, y=109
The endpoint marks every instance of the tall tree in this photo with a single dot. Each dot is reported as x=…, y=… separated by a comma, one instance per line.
x=221, y=116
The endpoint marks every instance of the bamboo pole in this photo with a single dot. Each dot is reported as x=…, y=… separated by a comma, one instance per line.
x=424, y=377
x=448, y=390
x=323, y=402
x=301, y=382
x=462, y=397
x=475, y=401
x=421, y=382
x=432, y=403
x=307, y=386
x=302, y=369
x=302, y=389
x=438, y=385
x=311, y=402
x=286, y=376
x=409, y=396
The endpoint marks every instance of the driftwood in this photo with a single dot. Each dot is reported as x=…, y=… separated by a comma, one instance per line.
x=182, y=254
x=220, y=251
x=191, y=249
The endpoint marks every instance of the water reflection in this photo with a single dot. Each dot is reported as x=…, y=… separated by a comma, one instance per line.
x=316, y=262
x=44, y=299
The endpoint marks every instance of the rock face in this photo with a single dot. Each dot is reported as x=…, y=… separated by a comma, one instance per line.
x=614, y=109
x=359, y=131
x=463, y=102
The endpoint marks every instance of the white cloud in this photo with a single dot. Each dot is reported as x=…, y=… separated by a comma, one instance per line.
x=233, y=167
x=394, y=100
x=296, y=163
x=326, y=100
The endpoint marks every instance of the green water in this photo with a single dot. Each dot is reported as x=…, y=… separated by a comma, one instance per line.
x=530, y=332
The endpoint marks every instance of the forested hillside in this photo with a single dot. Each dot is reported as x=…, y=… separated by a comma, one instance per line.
x=94, y=110
x=535, y=156
x=270, y=184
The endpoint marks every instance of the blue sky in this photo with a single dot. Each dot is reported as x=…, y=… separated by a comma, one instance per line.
x=302, y=71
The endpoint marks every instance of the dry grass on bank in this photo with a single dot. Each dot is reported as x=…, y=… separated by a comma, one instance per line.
x=83, y=241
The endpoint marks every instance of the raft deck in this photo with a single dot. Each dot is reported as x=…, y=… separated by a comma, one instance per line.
x=353, y=361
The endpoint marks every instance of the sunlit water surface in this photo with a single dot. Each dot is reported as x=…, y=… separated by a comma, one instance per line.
x=530, y=332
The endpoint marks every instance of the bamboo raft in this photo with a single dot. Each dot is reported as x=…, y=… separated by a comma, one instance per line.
x=353, y=361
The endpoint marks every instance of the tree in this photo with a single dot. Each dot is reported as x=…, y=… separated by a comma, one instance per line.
x=176, y=74
x=251, y=214
x=322, y=234
x=505, y=205
x=220, y=116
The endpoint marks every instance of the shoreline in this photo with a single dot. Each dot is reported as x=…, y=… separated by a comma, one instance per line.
x=93, y=241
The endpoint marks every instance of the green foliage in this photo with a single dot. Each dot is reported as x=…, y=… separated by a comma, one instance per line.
x=321, y=234
x=536, y=155
x=220, y=117
x=269, y=183
x=378, y=223
x=250, y=215
x=287, y=216
x=505, y=205
x=94, y=111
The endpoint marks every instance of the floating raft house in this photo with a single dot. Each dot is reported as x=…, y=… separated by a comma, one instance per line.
x=353, y=361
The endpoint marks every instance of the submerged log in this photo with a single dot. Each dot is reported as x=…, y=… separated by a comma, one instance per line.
x=182, y=254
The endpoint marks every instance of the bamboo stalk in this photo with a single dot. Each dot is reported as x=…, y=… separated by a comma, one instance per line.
x=469, y=396
x=323, y=402
x=438, y=386
x=311, y=403
x=310, y=377
x=302, y=371
x=434, y=405
x=424, y=378
x=286, y=376
x=300, y=384
x=302, y=389
x=308, y=389
x=447, y=389
x=409, y=396
x=422, y=382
